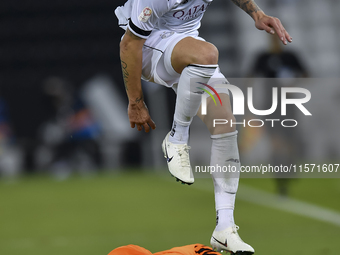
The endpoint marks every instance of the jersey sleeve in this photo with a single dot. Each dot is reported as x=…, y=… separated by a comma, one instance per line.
x=145, y=15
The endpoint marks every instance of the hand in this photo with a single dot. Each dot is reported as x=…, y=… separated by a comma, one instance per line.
x=273, y=25
x=139, y=116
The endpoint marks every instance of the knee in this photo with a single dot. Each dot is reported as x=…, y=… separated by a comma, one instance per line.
x=208, y=55
x=192, y=51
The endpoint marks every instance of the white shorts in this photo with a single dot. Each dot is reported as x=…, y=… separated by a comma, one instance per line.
x=157, y=52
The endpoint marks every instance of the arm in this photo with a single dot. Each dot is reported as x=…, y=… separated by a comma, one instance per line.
x=131, y=61
x=270, y=24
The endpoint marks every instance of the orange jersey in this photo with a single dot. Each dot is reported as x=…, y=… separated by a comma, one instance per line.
x=130, y=250
x=193, y=249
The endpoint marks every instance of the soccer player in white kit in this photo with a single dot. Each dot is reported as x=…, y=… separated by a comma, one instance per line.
x=161, y=45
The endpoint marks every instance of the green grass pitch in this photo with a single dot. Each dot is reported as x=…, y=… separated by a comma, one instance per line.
x=42, y=216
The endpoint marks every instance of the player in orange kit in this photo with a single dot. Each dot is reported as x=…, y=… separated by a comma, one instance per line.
x=193, y=249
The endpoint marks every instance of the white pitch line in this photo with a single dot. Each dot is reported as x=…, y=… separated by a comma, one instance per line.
x=290, y=205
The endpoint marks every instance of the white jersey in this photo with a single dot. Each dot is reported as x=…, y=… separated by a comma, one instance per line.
x=144, y=16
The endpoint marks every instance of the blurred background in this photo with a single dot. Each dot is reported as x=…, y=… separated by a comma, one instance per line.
x=70, y=165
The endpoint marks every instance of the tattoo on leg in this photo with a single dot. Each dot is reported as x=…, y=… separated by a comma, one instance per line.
x=125, y=74
x=249, y=6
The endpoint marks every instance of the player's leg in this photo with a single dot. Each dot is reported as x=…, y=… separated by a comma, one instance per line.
x=192, y=59
x=196, y=59
x=224, y=153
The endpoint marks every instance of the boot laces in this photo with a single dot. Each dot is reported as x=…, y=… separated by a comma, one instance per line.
x=183, y=153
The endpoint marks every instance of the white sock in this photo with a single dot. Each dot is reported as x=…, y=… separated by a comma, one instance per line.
x=188, y=98
x=224, y=152
x=179, y=134
x=224, y=219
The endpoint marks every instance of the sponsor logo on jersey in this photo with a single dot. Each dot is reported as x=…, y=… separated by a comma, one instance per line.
x=145, y=14
x=193, y=12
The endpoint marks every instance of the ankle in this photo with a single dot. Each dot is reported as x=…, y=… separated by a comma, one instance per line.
x=179, y=134
x=224, y=219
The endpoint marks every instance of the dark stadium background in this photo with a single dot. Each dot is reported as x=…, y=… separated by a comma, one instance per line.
x=71, y=39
